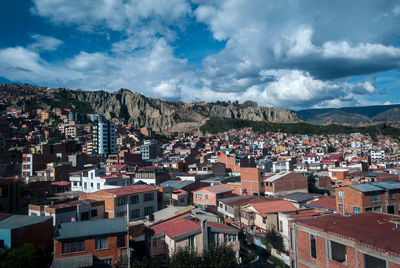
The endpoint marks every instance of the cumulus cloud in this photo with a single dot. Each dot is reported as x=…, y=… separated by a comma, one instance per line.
x=21, y=64
x=44, y=43
x=118, y=15
x=282, y=53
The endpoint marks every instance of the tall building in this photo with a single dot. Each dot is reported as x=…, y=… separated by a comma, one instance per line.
x=103, y=138
x=150, y=150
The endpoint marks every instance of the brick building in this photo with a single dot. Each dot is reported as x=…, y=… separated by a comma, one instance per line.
x=208, y=196
x=74, y=210
x=375, y=196
x=234, y=163
x=285, y=183
x=338, y=241
x=141, y=200
x=16, y=230
x=252, y=181
x=91, y=243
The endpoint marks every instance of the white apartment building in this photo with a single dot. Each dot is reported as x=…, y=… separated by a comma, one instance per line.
x=380, y=154
x=92, y=180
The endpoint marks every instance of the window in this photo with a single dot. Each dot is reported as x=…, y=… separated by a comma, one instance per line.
x=121, y=201
x=341, y=195
x=378, y=209
x=84, y=216
x=73, y=246
x=334, y=174
x=182, y=200
x=356, y=210
x=368, y=209
x=341, y=207
x=101, y=243
x=75, y=183
x=374, y=198
x=291, y=238
x=337, y=252
x=121, y=214
x=85, y=185
x=390, y=209
x=313, y=246
x=1, y=243
x=280, y=226
x=134, y=199
x=148, y=211
x=98, y=186
x=262, y=183
x=148, y=197
x=91, y=185
x=121, y=240
x=373, y=262
x=135, y=213
x=206, y=197
x=192, y=242
x=94, y=213
x=389, y=195
x=199, y=196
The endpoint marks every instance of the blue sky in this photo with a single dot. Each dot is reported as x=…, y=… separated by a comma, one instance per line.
x=283, y=53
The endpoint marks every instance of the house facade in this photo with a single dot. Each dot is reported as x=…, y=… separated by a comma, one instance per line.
x=138, y=201
x=338, y=241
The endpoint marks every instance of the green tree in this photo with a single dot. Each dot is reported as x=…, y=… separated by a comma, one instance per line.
x=185, y=258
x=273, y=239
x=145, y=262
x=331, y=149
x=26, y=256
x=311, y=184
x=219, y=256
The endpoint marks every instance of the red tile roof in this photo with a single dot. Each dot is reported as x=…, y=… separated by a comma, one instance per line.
x=375, y=230
x=110, y=177
x=216, y=189
x=176, y=227
x=325, y=202
x=127, y=190
x=116, y=167
x=61, y=183
x=271, y=206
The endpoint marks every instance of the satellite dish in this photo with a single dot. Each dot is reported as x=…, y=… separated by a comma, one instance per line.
x=73, y=220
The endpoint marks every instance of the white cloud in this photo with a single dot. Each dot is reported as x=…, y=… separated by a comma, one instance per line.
x=280, y=53
x=21, y=64
x=44, y=43
x=118, y=15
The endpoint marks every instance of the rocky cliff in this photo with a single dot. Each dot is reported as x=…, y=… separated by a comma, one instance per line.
x=124, y=106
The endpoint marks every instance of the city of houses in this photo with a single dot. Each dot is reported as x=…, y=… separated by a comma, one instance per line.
x=90, y=192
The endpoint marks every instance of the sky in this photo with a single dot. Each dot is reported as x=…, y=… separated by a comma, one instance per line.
x=294, y=54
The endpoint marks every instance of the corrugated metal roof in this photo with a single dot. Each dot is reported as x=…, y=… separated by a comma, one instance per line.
x=72, y=262
x=176, y=184
x=18, y=221
x=366, y=187
x=387, y=185
x=90, y=228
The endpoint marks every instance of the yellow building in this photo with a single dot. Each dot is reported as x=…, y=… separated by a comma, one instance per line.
x=45, y=115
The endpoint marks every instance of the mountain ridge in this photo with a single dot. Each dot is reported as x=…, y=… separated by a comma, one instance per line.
x=351, y=115
x=125, y=106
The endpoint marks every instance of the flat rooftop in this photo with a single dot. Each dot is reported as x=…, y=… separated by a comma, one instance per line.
x=377, y=230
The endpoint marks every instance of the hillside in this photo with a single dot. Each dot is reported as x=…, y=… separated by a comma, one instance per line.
x=124, y=106
x=217, y=125
x=351, y=115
